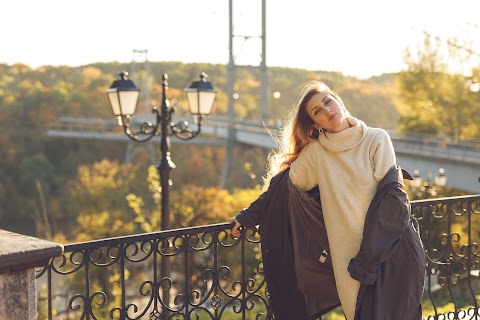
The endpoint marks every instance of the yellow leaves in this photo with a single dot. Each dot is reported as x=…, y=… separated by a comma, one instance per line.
x=154, y=184
x=116, y=287
x=429, y=312
x=93, y=220
x=134, y=202
x=60, y=238
x=100, y=196
x=246, y=196
x=435, y=97
x=88, y=222
x=95, y=225
x=19, y=68
x=62, y=90
x=195, y=205
x=146, y=222
x=29, y=88
x=103, y=174
x=114, y=209
x=251, y=83
x=90, y=73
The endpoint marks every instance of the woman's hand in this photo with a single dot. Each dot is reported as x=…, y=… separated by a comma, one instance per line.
x=235, y=230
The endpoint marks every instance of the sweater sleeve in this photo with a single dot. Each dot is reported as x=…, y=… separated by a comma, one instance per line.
x=382, y=155
x=302, y=173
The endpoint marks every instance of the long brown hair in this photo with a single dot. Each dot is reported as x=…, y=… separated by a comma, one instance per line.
x=298, y=130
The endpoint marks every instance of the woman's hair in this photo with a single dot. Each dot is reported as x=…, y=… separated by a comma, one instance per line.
x=297, y=131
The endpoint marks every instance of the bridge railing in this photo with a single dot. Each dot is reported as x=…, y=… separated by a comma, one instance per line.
x=419, y=139
x=430, y=145
x=205, y=272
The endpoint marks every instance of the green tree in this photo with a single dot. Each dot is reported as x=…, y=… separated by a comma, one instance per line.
x=434, y=100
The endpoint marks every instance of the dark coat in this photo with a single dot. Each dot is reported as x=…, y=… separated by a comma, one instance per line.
x=391, y=262
x=297, y=264
x=299, y=285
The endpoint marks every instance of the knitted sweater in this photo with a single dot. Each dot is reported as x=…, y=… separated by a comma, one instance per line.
x=346, y=166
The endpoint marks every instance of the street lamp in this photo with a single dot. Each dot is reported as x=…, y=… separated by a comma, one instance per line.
x=123, y=98
x=474, y=85
x=423, y=189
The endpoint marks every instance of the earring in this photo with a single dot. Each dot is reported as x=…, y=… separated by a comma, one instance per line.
x=315, y=132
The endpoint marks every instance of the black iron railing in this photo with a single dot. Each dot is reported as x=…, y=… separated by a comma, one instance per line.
x=211, y=275
x=450, y=231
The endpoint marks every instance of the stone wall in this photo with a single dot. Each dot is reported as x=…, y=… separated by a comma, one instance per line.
x=19, y=255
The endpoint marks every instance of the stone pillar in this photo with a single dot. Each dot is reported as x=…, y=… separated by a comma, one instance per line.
x=19, y=255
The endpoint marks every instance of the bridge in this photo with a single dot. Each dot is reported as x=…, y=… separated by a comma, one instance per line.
x=428, y=153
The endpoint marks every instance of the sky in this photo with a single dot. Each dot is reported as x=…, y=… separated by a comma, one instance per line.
x=358, y=38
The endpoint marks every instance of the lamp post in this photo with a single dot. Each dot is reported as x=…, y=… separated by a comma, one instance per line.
x=123, y=98
x=423, y=189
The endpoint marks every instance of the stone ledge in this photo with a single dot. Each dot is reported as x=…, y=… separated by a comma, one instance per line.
x=19, y=252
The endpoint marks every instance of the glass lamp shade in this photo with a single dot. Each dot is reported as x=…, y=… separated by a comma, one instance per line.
x=123, y=95
x=417, y=179
x=474, y=85
x=200, y=96
x=441, y=179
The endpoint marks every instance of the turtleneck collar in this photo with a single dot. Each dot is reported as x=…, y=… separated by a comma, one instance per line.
x=345, y=139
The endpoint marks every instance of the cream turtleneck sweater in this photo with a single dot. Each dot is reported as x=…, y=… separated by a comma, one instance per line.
x=346, y=166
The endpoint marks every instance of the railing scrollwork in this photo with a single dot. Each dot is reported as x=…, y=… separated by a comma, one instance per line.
x=215, y=276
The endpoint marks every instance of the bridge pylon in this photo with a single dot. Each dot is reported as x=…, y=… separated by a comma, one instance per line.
x=232, y=65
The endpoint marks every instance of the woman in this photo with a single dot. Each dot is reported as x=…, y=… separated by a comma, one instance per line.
x=324, y=146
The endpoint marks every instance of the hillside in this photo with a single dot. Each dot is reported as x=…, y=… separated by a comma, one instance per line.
x=36, y=172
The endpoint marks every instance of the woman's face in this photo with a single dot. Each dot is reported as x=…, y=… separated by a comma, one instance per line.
x=327, y=113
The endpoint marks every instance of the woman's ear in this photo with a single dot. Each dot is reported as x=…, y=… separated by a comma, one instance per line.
x=311, y=131
x=316, y=130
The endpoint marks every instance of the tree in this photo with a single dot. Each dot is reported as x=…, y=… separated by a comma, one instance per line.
x=192, y=205
x=434, y=100
x=98, y=198
x=33, y=100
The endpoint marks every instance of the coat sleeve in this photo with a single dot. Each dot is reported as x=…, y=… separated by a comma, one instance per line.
x=381, y=236
x=252, y=215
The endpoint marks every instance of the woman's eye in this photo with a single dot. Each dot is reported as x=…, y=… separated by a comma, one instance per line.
x=327, y=102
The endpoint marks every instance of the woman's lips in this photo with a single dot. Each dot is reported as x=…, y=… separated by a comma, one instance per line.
x=332, y=116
